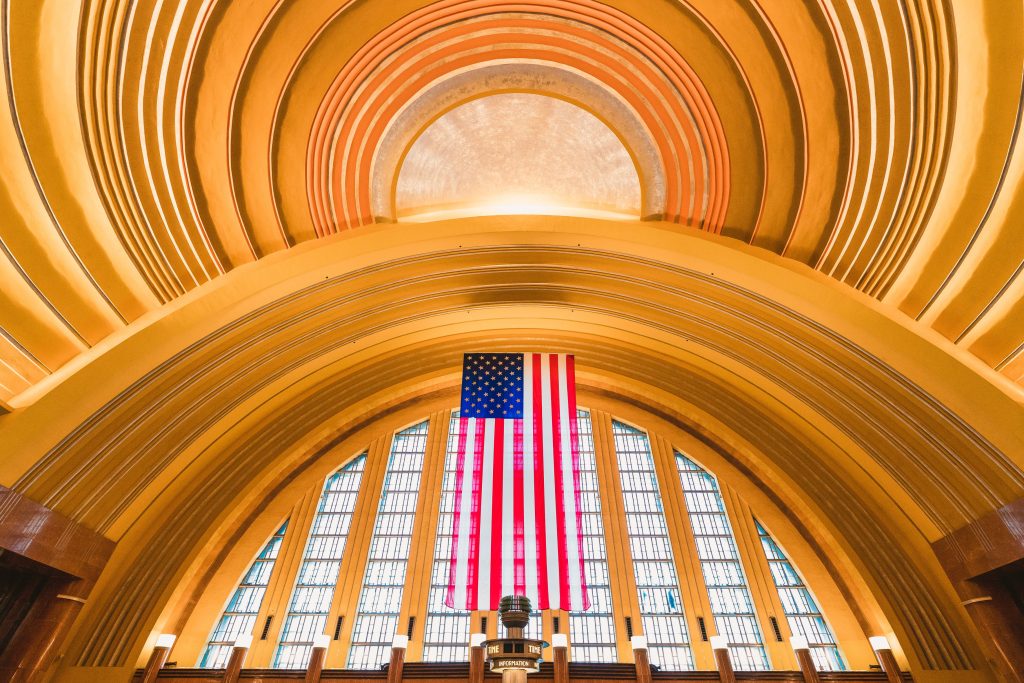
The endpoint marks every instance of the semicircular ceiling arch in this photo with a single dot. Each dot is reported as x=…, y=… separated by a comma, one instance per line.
x=876, y=451
x=453, y=37
x=177, y=144
x=198, y=222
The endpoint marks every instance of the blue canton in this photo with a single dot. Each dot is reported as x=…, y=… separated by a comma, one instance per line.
x=492, y=385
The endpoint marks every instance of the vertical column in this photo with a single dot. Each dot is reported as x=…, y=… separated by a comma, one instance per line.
x=476, y=657
x=353, y=564
x=317, y=657
x=720, y=646
x=693, y=588
x=640, y=659
x=157, y=659
x=415, y=599
x=560, y=646
x=991, y=601
x=44, y=538
x=880, y=644
x=34, y=645
x=592, y=633
x=802, y=650
x=238, y=653
x=625, y=602
x=760, y=583
x=282, y=579
x=397, y=663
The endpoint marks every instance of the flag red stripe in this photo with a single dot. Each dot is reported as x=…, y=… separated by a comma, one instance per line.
x=519, y=518
x=473, y=573
x=460, y=465
x=538, y=486
x=496, y=507
x=556, y=439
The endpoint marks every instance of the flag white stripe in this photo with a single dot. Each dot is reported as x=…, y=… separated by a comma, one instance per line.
x=483, y=579
x=529, y=504
x=550, y=490
x=569, y=489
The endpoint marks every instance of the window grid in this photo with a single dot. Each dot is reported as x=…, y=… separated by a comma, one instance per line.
x=800, y=608
x=731, y=603
x=661, y=606
x=240, y=614
x=446, y=631
x=381, y=598
x=321, y=561
x=592, y=633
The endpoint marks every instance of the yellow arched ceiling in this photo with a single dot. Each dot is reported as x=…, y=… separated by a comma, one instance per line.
x=150, y=147
x=874, y=438
x=202, y=277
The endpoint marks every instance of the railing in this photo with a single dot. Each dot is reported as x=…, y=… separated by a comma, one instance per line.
x=578, y=672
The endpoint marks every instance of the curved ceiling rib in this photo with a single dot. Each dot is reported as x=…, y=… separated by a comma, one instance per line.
x=802, y=394
x=168, y=144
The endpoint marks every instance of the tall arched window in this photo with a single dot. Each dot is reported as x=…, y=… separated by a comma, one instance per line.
x=802, y=612
x=302, y=588
x=321, y=562
x=446, y=631
x=240, y=614
x=720, y=564
x=380, y=601
x=592, y=633
x=661, y=605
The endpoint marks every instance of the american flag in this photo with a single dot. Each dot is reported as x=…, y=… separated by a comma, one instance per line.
x=516, y=523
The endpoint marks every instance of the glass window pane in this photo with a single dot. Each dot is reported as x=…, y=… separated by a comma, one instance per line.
x=661, y=606
x=802, y=612
x=321, y=560
x=731, y=605
x=380, y=601
x=240, y=614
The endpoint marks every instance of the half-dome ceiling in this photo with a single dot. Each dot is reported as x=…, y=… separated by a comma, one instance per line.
x=517, y=153
x=150, y=149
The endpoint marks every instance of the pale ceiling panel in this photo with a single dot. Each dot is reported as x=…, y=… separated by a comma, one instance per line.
x=517, y=153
